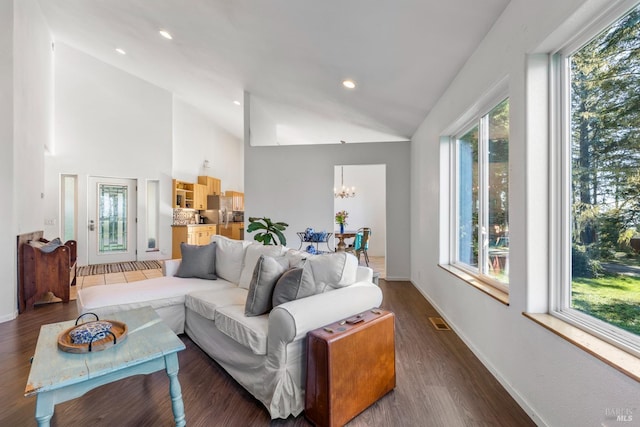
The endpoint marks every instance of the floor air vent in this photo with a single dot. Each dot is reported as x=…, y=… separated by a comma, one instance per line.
x=439, y=324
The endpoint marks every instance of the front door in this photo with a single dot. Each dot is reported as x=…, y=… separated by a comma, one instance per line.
x=112, y=220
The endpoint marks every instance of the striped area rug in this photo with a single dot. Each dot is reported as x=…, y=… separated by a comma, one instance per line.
x=118, y=267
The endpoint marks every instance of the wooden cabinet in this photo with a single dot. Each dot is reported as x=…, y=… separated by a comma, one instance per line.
x=213, y=185
x=234, y=230
x=196, y=234
x=237, y=200
x=199, y=196
x=183, y=194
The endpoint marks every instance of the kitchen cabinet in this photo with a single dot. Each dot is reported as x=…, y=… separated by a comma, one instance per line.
x=213, y=185
x=199, y=197
x=183, y=194
x=237, y=200
x=234, y=230
x=193, y=234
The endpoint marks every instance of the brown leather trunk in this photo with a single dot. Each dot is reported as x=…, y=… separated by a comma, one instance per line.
x=350, y=365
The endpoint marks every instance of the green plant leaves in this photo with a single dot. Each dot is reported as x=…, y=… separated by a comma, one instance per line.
x=272, y=233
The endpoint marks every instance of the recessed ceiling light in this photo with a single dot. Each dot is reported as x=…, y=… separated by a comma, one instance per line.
x=121, y=51
x=349, y=84
x=236, y=102
x=166, y=34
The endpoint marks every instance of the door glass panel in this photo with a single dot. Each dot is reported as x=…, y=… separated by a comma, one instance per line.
x=112, y=222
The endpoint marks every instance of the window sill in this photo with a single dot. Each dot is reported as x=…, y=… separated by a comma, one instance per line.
x=618, y=359
x=492, y=291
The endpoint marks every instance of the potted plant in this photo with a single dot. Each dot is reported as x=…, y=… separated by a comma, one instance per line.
x=271, y=232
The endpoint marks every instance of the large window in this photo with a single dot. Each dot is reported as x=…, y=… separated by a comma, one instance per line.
x=599, y=287
x=480, y=239
x=69, y=206
x=153, y=214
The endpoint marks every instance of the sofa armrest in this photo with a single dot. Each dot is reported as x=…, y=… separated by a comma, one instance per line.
x=364, y=274
x=170, y=267
x=292, y=320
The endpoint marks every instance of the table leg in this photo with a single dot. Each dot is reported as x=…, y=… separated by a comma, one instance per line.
x=341, y=244
x=44, y=409
x=171, y=362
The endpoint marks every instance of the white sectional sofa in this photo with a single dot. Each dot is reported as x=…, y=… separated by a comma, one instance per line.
x=264, y=353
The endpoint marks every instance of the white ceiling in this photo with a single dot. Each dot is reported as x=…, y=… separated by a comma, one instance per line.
x=290, y=56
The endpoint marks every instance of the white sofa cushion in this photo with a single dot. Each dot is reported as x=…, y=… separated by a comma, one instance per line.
x=251, y=332
x=334, y=270
x=229, y=257
x=157, y=292
x=205, y=303
x=296, y=258
x=319, y=273
x=251, y=255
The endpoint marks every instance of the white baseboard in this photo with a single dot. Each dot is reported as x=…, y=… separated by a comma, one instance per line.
x=9, y=317
x=397, y=279
x=512, y=392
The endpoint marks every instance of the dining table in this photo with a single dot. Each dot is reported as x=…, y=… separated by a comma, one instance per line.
x=340, y=247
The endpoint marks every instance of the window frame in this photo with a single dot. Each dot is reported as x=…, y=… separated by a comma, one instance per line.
x=478, y=117
x=560, y=188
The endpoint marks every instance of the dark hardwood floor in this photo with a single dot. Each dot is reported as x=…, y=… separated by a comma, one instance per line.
x=439, y=382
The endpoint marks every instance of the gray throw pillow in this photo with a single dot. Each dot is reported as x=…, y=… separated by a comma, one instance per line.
x=46, y=247
x=52, y=245
x=198, y=261
x=265, y=275
x=294, y=284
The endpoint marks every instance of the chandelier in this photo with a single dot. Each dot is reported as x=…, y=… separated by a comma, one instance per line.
x=345, y=192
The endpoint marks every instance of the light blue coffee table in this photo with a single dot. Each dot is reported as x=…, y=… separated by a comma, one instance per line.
x=57, y=376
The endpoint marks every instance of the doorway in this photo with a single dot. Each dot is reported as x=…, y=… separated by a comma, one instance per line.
x=368, y=208
x=112, y=220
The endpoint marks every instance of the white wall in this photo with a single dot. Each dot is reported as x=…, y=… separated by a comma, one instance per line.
x=294, y=184
x=109, y=123
x=25, y=129
x=33, y=102
x=196, y=139
x=8, y=227
x=368, y=208
x=558, y=384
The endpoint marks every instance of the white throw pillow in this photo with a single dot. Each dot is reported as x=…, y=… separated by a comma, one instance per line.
x=334, y=270
x=251, y=256
x=296, y=258
x=229, y=257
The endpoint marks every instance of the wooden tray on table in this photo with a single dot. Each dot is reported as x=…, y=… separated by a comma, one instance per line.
x=119, y=331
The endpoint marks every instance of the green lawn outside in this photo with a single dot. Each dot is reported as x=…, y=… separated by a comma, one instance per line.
x=614, y=299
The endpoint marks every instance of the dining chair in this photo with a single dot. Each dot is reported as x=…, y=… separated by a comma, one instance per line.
x=361, y=244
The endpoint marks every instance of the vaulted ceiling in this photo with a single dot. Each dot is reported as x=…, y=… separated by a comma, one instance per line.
x=291, y=56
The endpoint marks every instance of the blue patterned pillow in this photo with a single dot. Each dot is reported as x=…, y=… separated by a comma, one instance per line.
x=84, y=333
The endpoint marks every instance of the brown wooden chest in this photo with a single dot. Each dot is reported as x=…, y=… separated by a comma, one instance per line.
x=350, y=365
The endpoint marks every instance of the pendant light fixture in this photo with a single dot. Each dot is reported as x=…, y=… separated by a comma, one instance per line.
x=344, y=192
